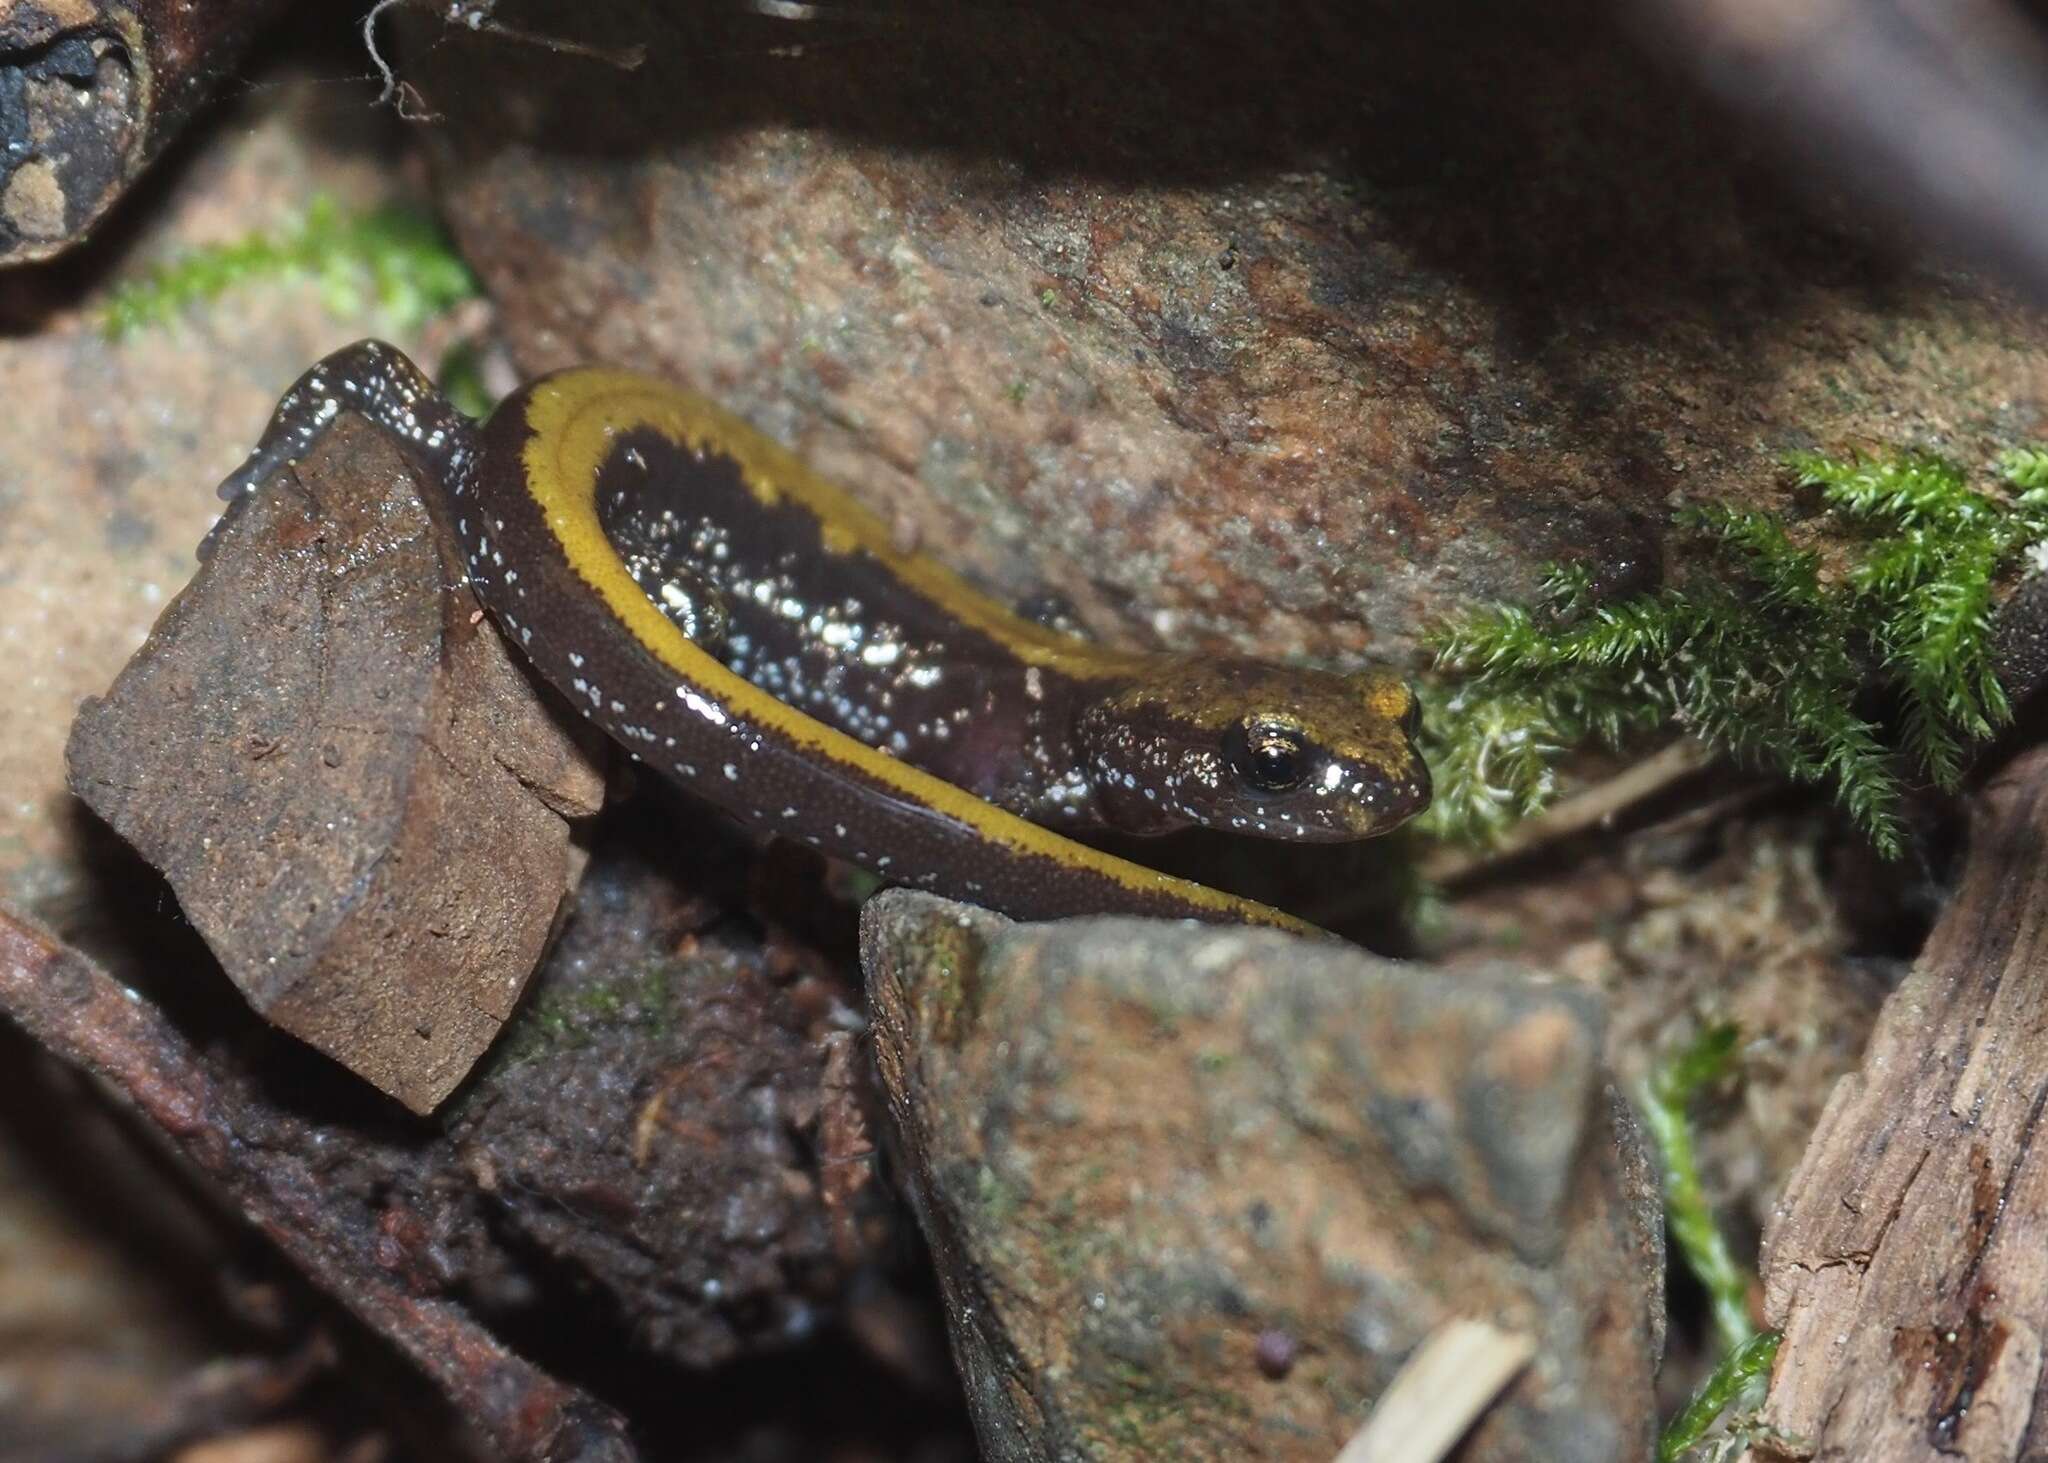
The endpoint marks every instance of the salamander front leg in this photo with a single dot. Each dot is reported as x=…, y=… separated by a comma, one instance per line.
x=377, y=381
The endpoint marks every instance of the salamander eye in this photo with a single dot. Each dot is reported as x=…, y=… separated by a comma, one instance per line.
x=1269, y=756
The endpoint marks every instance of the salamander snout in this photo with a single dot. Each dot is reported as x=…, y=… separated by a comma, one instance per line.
x=1258, y=750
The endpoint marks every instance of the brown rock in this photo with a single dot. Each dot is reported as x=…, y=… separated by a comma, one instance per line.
x=1143, y=1153
x=1294, y=334
x=357, y=796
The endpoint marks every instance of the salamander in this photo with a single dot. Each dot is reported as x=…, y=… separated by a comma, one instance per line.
x=747, y=629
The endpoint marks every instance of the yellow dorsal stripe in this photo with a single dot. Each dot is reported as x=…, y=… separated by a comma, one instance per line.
x=772, y=474
x=576, y=416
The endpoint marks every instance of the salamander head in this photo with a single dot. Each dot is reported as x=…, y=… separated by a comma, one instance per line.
x=1256, y=749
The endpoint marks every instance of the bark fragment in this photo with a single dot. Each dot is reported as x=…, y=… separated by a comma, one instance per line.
x=90, y=91
x=1907, y=1263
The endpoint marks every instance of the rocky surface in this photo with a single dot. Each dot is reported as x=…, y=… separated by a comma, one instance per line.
x=1292, y=335
x=1198, y=1193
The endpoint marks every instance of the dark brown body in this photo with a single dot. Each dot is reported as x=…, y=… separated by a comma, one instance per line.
x=839, y=637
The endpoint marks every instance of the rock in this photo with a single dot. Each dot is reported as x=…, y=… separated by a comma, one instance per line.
x=1144, y=1154
x=357, y=796
x=1294, y=336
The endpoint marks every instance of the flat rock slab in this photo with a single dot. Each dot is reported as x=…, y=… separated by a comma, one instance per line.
x=359, y=799
x=1198, y=1193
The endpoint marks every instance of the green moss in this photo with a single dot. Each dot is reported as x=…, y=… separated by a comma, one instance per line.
x=861, y=886
x=1738, y=1381
x=577, y=1015
x=395, y=258
x=1151, y=1410
x=461, y=380
x=1073, y=1248
x=1664, y=1101
x=1740, y=1376
x=999, y=1202
x=1756, y=650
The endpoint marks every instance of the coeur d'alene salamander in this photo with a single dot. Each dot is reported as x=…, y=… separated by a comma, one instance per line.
x=741, y=625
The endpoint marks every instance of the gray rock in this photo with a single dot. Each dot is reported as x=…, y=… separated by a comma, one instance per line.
x=1197, y=1193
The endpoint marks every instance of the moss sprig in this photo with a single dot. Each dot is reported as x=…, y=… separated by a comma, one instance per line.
x=1737, y=1379
x=1760, y=649
x=1665, y=1102
x=395, y=258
